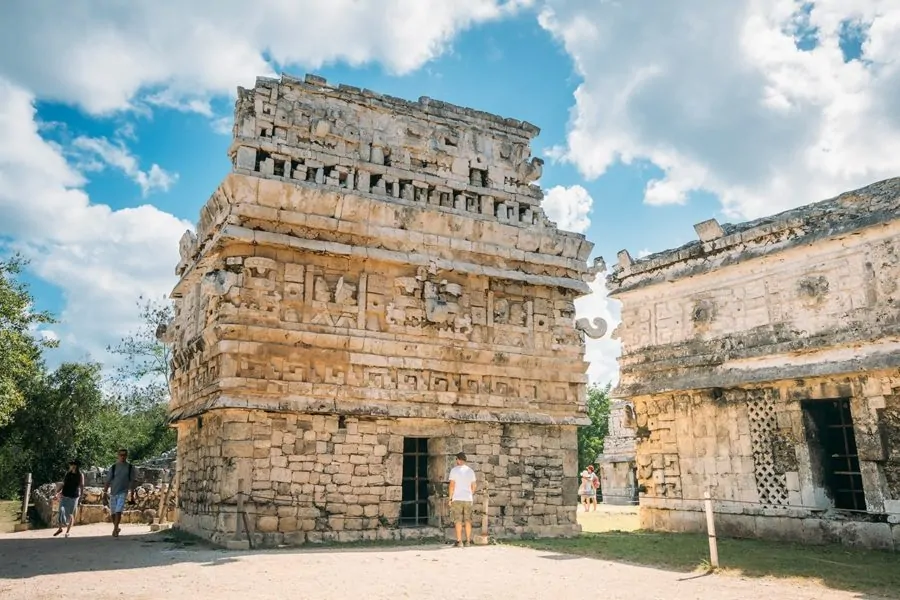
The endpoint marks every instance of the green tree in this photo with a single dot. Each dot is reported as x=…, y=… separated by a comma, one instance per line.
x=55, y=423
x=141, y=380
x=140, y=385
x=20, y=352
x=590, y=437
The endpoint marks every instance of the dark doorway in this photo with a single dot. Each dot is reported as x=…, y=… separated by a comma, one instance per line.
x=833, y=447
x=414, y=503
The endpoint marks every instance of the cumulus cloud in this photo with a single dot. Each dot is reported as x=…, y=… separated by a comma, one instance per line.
x=104, y=55
x=568, y=207
x=100, y=152
x=767, y=104
x=101, y=259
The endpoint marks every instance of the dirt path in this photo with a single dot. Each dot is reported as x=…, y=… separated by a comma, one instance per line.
x=138, y=566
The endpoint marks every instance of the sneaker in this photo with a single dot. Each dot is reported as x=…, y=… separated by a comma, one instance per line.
x=458, y=545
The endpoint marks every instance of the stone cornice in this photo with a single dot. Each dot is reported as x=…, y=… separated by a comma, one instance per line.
x=233, y=233
x=874, y=205
x=371, y=409
x=706, y=375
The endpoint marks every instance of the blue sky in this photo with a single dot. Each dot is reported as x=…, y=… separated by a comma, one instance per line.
x=731, y=116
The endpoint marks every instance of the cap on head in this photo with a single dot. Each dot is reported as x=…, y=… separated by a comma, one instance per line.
x=461, y=456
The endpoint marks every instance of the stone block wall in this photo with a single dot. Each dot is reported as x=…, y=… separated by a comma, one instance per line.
x=320, y=478
x=752, y=449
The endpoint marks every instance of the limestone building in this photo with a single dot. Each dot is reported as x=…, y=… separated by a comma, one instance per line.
x=373, y=288
x=763, y=362
x=616, y=465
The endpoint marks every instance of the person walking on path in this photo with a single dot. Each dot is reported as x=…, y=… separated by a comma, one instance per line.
x=588, y=489
x=462, y=494
x=119, y=485
x=68, y=493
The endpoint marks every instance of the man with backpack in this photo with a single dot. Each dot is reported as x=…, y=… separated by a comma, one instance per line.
x=119, y=485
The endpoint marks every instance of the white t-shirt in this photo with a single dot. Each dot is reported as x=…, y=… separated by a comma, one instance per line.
x=464, y=477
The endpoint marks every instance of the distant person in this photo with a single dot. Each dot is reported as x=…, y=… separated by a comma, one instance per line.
x=462, y=494
x=119, y=485
x=68, y=493
x=588, y=488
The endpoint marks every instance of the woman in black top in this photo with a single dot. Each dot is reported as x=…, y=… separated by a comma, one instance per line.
x=68, y=495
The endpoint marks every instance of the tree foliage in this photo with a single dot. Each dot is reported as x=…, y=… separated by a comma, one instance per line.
x=141, y=380
x=20, y=352
x=49, y=417
x=591, y=437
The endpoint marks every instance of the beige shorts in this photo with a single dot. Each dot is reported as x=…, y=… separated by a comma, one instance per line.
x=461, y=512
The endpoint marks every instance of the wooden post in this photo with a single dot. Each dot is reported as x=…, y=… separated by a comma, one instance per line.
x=162, y=499
x=165, y=503
x=22, y=525
x=26, y=498
x=711, y=531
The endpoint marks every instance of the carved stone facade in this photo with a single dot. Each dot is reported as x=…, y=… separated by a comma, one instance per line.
x=375, y=271
x=764, y=365
x=616, y=464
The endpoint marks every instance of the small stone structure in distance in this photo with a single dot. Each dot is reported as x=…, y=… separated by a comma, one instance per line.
x=373, y=289
x=763, y=361
x=616, y=465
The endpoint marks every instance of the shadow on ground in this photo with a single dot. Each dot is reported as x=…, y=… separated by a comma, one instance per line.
x=24, y=557
x=836, y=567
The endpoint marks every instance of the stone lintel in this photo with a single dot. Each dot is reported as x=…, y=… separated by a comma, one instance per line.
x=615, y=458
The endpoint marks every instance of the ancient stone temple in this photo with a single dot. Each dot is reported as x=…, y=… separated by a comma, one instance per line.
x=764, y=365
x=372, y=289
x=615, y=465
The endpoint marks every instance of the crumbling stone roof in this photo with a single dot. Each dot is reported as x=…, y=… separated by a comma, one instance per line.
x=721, y=245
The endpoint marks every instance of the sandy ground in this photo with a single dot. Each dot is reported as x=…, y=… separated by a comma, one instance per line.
x=139, y=565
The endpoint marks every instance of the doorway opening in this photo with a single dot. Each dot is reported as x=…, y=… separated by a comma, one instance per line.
x=833, y=447
x=414, y=503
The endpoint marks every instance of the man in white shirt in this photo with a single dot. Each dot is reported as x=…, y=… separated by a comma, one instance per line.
x=462, y=493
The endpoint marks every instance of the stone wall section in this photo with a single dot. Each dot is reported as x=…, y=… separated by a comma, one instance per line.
x=315, y=478
x=754, y=310
x=751, y=449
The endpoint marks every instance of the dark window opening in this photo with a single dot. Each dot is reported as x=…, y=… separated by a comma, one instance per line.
x=414, y=502
x=478, y=177
x=260, y=157
x=279, y=168
x=342, y=422
x=833, y=446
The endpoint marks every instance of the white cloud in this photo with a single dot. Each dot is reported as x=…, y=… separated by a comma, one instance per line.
x=569, y=207
x=102, y=55
x=720, y=97
x=601, y=353
x=96, y=153
x=102, y=259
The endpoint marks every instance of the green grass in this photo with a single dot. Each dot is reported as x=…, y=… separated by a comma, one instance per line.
x=832, y=566
x=9, y=515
